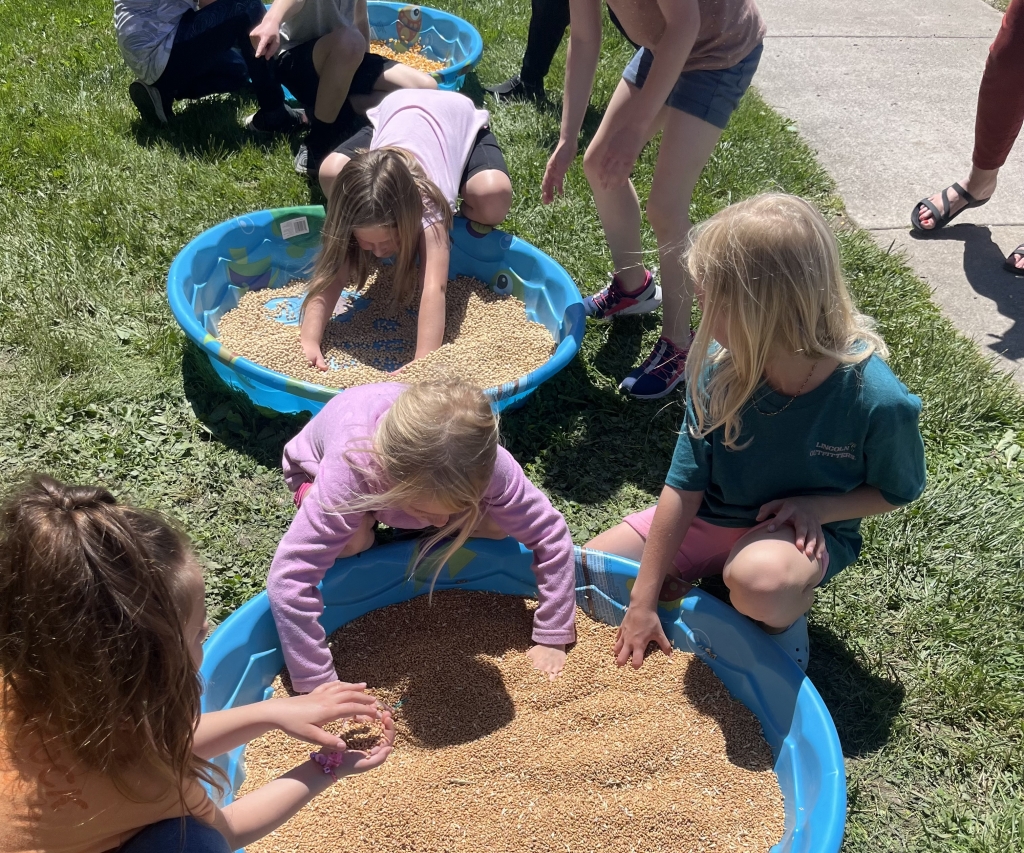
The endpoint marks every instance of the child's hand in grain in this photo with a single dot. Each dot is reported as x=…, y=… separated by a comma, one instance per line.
x=302, y=717
x=359, y=761
x=549, y=659
x=639, y=627
x=311, y=349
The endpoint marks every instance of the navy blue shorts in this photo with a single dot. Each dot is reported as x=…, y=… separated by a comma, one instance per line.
x=709, y=95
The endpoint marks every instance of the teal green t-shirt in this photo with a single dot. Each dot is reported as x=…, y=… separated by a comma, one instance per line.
x=858, y=427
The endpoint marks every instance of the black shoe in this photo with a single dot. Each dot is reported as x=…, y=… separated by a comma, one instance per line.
x=284, y=119
x=517, y=89
x=151, y=103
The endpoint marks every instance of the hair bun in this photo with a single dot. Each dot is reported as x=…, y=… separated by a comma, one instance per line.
x=70, y=498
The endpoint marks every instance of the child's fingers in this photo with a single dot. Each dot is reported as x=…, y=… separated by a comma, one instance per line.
x=316, y=735
x=768, y=509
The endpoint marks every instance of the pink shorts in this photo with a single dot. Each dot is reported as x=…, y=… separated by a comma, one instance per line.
x=706, y=546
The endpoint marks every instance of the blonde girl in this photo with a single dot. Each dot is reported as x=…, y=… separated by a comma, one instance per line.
x=102, y=746
x=391, y=191
x=795, y=429
x=412, y=457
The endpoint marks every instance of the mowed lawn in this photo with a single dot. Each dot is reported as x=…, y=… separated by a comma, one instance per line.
x=918, y=649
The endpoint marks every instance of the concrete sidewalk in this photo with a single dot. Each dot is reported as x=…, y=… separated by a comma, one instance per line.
x=885, y=91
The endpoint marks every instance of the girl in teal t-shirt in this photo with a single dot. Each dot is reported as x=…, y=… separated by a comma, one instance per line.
x=795, y=429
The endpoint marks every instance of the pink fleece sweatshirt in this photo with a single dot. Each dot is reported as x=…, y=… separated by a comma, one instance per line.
x=317, y=535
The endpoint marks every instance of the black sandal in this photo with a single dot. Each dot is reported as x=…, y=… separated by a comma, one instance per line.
x=944, y=217
x=1009, y=265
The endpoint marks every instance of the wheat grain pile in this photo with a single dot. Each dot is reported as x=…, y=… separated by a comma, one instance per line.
x=413, y=56
x=488, y=338
x=490, y=756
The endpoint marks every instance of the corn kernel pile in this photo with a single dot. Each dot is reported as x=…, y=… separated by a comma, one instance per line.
x=488, y=338
x=413, y=57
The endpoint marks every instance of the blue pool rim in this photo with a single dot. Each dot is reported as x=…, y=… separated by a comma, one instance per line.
x=313, y=397
x=243, y=656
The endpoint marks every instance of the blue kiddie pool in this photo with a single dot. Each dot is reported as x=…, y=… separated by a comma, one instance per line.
x=271, y=247
x=243, y=656
x=444, y=37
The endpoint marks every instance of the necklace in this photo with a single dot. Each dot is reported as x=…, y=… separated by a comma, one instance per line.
x=791, y=399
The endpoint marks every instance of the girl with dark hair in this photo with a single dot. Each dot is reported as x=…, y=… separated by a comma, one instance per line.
x=102, y=746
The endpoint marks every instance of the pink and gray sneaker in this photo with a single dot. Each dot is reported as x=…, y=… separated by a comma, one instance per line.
x=614, y=302
x=659, y=374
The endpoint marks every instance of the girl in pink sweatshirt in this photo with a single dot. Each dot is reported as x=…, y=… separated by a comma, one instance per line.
x=412, y=457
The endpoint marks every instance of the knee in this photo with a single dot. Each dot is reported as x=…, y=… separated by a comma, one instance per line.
x=760, y=587
x=590, y=165
x=330, y=168
x=346, y=44
x=491, y=197
x=420, y=80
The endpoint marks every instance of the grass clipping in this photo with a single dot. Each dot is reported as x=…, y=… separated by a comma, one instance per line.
x=488, y=339
x=490, y=756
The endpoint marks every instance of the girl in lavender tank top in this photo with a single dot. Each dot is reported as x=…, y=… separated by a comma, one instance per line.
x=392, y=189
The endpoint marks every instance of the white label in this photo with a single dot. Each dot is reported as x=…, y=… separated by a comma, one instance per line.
x=294, y=227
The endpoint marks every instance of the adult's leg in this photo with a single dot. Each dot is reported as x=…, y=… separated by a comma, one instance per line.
x=619, y=207
x=548, y=20
x=999, y=117
x=176, y=835
x=687, y=143
x=769, y=579
x=204, y=35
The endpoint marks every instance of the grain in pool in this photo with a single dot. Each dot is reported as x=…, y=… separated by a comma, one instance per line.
x=491, y=756
x=412, y=56
x=488, y=338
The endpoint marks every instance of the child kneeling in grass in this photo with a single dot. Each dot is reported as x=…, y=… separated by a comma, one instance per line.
x=795, y=429
x=102, y=746
x=412, y=457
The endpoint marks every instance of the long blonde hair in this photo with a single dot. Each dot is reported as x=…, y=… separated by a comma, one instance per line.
x=439, y=442
x=383, y=187
x=768, y=269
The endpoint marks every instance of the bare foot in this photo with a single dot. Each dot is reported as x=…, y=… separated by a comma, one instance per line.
x=981, y=183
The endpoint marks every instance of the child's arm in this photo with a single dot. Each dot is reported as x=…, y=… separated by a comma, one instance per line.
x=435, y=251
x=806, y=514
x=672, y=518
x=266, y=36
x=255, y=815
x=302, y=717
x=524, y=512
x=314, y=540
x=621, y=145
x=580, y=68
x=316, y=313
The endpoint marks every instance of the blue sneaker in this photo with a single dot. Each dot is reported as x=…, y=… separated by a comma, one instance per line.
x=795, y=642
x=659, y=374
x=613, y=301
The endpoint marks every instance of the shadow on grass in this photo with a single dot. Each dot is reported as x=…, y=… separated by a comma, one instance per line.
x=231, y=417
x=863, y=705
x=204, y=129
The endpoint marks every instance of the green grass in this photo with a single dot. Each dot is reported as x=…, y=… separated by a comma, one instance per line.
x=918, y=648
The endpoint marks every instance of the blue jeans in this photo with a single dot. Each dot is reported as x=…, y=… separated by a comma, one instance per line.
x=176, y=836
x=212, y=53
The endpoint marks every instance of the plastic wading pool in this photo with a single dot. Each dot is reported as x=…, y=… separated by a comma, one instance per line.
x=445, y=37
x=271, y=247
x=243, y=656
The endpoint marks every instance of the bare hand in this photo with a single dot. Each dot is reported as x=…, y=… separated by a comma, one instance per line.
x=616, y=155
x=303, y=716
x=314, y=357
x=800, y=514
x=359, y=761
x=548, y=659
x=638, y=628
x=266, y=39
x=554, y=174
